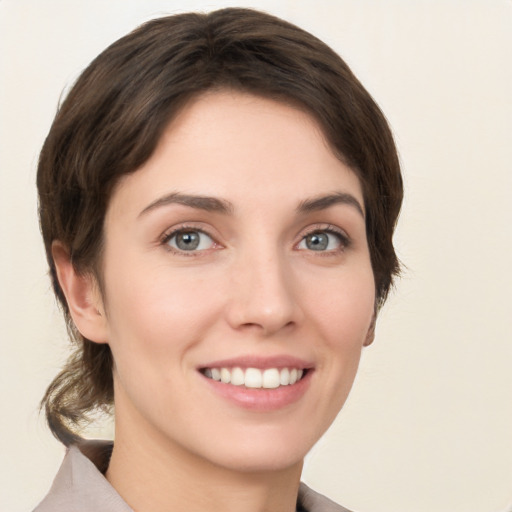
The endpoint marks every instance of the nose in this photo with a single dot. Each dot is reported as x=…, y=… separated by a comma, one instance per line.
x=264, y=294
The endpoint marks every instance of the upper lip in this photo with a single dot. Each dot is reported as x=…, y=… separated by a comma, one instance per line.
x=261, y=362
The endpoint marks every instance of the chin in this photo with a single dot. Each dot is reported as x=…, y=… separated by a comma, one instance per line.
x=263, y=462
x=258, y=453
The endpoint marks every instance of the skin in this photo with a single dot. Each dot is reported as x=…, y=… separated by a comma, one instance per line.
x=254, y=288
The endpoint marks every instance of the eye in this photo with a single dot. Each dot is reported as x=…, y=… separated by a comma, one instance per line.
x=189, y=240
x=323, y=240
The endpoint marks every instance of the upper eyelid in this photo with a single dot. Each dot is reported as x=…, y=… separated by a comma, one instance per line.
x=324, y=227
x=170, y=232
x=343, y=236
x=308, y=230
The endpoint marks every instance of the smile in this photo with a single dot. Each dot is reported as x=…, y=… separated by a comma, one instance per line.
x=254, y=378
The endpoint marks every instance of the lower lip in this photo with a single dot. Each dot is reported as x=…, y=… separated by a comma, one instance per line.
x=261, y=399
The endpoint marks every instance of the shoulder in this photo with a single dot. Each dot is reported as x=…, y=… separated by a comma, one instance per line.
x=80, y=485
x=311, y=501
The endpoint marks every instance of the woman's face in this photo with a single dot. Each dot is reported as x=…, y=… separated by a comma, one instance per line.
x=238, y=251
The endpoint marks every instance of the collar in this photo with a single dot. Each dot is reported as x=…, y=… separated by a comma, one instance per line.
x=80, y=485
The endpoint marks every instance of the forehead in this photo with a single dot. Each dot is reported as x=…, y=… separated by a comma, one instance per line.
x=242, y=147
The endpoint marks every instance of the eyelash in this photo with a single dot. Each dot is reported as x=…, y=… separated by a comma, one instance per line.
x=184, y=229
x=345, y=241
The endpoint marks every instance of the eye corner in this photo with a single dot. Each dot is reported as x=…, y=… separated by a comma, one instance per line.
x=324, y=239
x=188, y=241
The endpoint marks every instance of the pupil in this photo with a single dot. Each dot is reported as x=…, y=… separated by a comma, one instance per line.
x=317, y=241
x=187, y=241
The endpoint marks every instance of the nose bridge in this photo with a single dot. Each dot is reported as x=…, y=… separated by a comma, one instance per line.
x=264, y=294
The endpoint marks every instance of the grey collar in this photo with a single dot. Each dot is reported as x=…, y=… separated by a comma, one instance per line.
x=80, y=485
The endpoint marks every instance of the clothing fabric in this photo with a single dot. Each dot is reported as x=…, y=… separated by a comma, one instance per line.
x=80, y=486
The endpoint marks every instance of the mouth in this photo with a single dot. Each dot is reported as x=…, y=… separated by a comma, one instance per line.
x=259, y=383
x=256, y=378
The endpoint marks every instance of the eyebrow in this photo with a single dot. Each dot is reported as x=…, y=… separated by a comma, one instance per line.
x=323, y=202
x=206, y=203
x=214, y=204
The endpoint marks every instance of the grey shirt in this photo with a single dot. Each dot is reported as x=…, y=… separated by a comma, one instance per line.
x=81, y=487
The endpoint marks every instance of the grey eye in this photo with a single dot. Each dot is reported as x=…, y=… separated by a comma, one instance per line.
x=190, y=241
x=321, y=241
x=317, y=241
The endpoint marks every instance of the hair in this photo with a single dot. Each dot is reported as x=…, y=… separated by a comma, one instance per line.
x=113, y=118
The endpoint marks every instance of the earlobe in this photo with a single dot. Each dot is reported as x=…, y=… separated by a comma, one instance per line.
x=370, y=335
x=82, y=295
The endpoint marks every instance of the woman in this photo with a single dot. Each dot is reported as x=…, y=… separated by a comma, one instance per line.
x=218, y=195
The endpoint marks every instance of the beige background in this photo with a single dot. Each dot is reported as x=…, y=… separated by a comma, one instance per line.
x=429, y=423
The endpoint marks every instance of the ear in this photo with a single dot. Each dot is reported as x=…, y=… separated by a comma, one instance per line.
x=370, y=335
x=82, y=295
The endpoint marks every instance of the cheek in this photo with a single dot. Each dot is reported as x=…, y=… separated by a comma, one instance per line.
x=343, y=308
x=340, y=316
x=157, y=311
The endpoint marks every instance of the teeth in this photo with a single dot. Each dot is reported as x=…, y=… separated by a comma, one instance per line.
x=225, y=375
x=255, y=378
x=271, y=378
x=237, y=377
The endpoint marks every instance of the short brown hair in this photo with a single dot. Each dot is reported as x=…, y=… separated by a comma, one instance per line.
x=112, y=120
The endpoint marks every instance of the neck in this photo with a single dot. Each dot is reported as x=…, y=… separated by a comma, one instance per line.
x=153, y=474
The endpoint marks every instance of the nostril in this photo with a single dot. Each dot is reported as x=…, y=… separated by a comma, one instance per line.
x=267, y=327
x=263, y=302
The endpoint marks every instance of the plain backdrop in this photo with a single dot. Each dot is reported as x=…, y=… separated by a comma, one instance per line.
x=428, y=425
